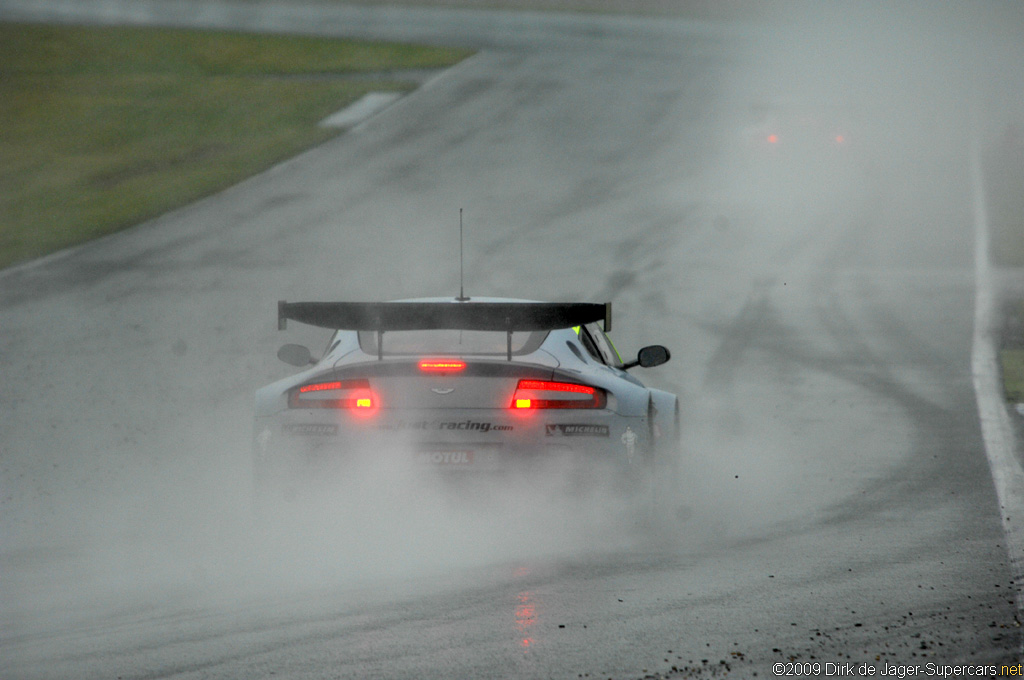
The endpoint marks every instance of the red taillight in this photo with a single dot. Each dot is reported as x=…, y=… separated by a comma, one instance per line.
x=343, y=394
x=441, y=365
x=533, y=394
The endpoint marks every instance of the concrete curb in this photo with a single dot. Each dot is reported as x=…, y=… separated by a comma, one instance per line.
x=357, y=112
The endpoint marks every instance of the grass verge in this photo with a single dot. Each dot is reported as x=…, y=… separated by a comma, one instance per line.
x=103, y=127
x=1012, y=362
x=1011, y=350
x=689, y=9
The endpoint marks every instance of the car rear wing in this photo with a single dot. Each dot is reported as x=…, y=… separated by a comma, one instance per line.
x=470, y=316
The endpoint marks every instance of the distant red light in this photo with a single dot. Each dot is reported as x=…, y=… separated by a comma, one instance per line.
x=773, y=139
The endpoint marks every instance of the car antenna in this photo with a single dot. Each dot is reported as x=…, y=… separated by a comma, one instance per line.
x=462, y=293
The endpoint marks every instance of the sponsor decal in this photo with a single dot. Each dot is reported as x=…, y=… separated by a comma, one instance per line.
x=312, y=429
x=629, y=439
x=576, y=430
x=471, y=426
x=444, y=457
x=445, y=425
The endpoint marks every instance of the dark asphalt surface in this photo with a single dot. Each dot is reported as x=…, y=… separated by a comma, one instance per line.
x=817, y=298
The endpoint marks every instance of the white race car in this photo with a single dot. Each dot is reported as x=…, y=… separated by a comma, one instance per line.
x=463, y=387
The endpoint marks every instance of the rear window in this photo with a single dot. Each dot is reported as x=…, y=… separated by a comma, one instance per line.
x=453, y=342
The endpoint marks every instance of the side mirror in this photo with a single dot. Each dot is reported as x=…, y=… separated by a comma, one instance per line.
x=650, y=356
x=295, y=355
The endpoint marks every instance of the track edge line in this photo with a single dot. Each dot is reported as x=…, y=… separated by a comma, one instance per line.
x=996, y=428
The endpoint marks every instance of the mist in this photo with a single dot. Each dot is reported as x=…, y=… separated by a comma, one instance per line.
x=188, y=529
x=823, y=170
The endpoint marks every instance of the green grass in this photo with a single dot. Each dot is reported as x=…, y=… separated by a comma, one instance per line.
x=101, y=128
x=1012, y=362
x=693, y=9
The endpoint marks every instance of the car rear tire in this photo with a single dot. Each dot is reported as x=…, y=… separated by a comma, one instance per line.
x=666, y=459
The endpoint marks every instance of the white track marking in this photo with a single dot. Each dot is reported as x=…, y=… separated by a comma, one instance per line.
x=369, y=104
x=996, y=428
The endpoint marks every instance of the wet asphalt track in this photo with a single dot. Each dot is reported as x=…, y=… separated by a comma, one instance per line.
x=838, y=506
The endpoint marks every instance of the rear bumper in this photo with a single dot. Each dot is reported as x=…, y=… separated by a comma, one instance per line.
x=297, y=447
